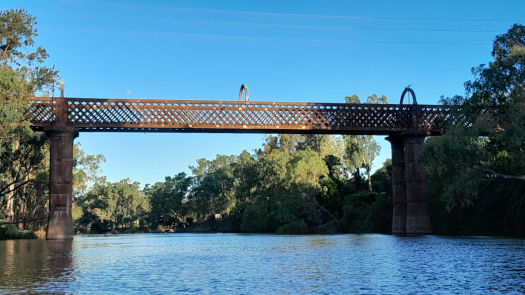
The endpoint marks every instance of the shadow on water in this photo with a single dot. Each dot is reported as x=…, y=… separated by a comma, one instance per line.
x=35, y=265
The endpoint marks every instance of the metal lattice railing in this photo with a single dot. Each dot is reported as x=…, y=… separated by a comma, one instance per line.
x=147, y=115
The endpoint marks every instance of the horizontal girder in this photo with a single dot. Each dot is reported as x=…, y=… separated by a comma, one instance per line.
x=148, y=115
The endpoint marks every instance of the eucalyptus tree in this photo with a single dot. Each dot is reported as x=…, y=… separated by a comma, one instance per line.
x=361, y=150
x=22, y=152
x=482, y=164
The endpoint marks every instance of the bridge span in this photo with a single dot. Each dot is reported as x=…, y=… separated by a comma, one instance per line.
x=406, y=126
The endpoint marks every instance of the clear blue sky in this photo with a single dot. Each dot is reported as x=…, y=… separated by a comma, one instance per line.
x=315, y=51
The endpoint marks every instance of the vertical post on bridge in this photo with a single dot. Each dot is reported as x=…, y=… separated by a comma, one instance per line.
x=61, y=135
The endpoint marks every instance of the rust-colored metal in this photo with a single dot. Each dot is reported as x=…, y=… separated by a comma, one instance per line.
x=151, y=115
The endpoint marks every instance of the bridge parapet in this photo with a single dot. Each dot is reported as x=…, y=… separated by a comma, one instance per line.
x=149, y=115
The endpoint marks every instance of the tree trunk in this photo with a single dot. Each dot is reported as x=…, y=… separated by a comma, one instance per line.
x=369, y=179
x=10, y=210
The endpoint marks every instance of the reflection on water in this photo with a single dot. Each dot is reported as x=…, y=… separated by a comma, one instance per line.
x=35, y=265
x=263, y=264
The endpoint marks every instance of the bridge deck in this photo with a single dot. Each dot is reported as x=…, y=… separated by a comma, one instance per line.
x=148, y=115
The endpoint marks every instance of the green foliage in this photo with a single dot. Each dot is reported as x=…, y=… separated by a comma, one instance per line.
x=9, y=231
x=286, y=187
x=86, y=170
x=112, y=206
x=17, y=30
x=471, y=166
x=367, y=212
x=166, y=200
x=361, y=150
x=382, y=178
x=213, y=186
x=23, y=165
x=294, y=227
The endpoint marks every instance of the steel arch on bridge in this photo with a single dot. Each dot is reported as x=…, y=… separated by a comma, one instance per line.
x=405, y=125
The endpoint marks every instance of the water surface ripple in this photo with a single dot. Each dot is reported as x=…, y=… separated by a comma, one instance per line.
x=263, y=264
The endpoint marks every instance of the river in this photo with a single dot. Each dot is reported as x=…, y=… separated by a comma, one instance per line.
x=263, y=264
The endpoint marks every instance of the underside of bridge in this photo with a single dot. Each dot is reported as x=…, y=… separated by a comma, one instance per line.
x=406, y=126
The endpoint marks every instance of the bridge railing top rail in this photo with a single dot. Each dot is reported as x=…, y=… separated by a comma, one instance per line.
x=148, y=101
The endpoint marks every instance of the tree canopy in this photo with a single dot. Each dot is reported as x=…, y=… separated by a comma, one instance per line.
x=23, y=72
x=479, y=169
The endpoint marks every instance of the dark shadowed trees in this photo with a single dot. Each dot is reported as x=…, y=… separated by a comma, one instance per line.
x=477, y=170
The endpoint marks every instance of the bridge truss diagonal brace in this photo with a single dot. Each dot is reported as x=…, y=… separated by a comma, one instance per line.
x=410, y=202
x=60, y=222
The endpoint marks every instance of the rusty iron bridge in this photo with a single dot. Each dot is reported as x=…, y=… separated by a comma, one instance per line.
x=406, y=126
x=152, y=115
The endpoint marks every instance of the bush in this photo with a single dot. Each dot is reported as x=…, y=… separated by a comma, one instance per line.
x=330, y=227
x=367, y=212
x=294, y=227
x=9, y=231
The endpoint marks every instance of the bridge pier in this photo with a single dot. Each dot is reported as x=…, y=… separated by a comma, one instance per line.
x=61, y=136
x=399, y=216
x=410, y=204
x=60, y=220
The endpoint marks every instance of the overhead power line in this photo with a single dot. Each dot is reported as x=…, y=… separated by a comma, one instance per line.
x=349, y=17
x=311, y=15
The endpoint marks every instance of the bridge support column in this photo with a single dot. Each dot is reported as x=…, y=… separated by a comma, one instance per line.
x=418, y=220
x=60, y=222
x=399, y=214
x=410, y=204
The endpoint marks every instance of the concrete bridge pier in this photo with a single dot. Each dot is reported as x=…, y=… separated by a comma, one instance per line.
x=410, y=203
x=60, y=220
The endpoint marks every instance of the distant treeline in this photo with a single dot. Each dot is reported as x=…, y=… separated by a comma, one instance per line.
x=293, y=184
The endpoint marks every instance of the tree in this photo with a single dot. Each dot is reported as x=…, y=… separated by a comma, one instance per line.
x=86, y=170
x=22, y=152
x=107, y=206
x=212, y=191
x=166, y=200
x=361, y=150
x=473, y=163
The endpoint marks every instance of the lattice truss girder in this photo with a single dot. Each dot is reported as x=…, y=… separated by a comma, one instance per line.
x=158, y=115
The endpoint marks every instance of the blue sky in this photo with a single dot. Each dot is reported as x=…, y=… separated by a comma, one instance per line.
x=314, y=51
